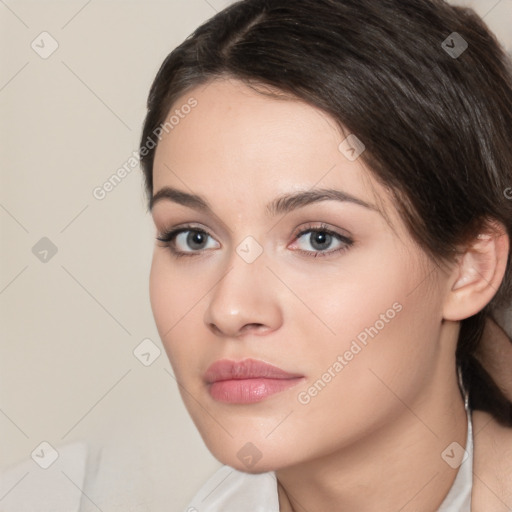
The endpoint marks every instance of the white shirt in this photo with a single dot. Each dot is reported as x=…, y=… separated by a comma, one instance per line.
x=230, y=490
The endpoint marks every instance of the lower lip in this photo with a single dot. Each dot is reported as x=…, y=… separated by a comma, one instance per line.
x=247, y=391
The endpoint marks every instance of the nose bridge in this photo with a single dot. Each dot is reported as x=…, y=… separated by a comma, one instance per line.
x=243, y=295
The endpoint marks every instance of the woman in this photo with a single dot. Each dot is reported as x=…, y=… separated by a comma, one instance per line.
x=329, y=194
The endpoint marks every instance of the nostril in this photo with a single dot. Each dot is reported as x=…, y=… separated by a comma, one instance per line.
x=214, y=328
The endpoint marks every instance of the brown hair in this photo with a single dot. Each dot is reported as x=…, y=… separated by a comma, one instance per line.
x=435, y=116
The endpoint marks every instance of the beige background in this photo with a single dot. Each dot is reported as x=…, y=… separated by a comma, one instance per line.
x=70, y=325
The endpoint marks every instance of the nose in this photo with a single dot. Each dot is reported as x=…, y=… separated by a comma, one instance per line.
x=245, y=300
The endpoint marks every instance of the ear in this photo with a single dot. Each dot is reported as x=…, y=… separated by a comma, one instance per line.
x=478, y=273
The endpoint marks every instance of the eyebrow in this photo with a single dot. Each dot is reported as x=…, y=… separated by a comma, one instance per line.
x=281, y=205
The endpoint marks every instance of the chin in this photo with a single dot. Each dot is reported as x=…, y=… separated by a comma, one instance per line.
x=246, y=457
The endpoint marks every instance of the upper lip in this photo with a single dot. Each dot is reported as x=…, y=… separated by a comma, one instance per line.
x=226, y=369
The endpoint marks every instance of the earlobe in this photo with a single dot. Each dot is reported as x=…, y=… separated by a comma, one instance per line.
x=478, y=273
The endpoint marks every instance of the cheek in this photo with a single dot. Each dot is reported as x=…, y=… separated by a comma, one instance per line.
x=385, y=347
x=160, y=298
x=384, y=332
x=174, y=290
x=348, y=300
x=355, y=386
x=178, y=297
x=172, y=299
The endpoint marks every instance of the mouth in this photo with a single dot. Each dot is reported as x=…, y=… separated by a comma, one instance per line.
x=247, y=381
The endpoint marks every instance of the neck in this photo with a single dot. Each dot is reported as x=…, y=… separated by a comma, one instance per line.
x=397, y=467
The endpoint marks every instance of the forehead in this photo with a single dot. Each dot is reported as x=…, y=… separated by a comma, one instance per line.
x=237, y=144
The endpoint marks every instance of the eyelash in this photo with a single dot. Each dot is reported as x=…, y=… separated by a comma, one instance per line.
x=167, y=238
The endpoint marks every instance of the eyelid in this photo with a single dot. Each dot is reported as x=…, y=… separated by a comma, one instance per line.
x=183, y=227
x=165, y=218
x=321, y=226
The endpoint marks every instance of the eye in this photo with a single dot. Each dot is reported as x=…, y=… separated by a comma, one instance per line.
x=192, y=241
x=187, y=241
x=322, y=240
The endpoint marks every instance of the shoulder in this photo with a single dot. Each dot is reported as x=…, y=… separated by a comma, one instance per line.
x=492, y=465
x=230, y=490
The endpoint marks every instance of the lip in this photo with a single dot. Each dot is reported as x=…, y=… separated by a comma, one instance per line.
x=247, y=381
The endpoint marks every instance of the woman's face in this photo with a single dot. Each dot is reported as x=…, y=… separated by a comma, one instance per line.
x=351, y=308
